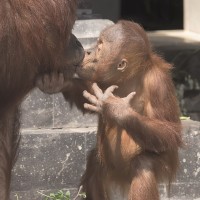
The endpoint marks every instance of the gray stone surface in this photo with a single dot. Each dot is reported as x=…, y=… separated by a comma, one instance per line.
x=52, y=111
x=87, y=31
x=69, y=116
x=54, y=159
x=188, y=178
x=190, y=154
x=49, y=160
x=90, y=28
x=44, y=157
x=37, y=110
x=172, y=43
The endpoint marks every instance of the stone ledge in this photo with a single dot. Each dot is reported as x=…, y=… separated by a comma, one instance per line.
x=53, y=159
x=174, y=38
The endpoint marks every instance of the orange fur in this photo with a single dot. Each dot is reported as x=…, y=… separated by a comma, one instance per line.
x=137, y=141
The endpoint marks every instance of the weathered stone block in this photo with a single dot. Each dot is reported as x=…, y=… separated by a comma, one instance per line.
x=66, y=115
x=37, y=110
x=54, y=159
x=50, y=159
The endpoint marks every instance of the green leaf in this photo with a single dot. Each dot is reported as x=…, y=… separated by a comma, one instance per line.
x=67, y=198
x=60, y=192
x=67, y=194
x=83, y=195
x=52, y=195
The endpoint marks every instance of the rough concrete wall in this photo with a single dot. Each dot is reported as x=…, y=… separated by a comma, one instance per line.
x=54, y=159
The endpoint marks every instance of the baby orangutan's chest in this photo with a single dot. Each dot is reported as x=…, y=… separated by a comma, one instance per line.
x=118, y=147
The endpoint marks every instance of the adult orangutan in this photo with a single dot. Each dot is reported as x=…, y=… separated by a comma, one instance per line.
x=139, y=131
x=35, y=38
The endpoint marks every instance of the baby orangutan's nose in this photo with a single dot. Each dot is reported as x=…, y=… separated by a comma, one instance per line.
x=88, y=52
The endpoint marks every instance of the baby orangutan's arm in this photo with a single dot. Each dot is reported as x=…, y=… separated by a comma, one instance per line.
x=154, y=134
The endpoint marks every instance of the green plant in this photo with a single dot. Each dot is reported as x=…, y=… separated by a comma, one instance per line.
x=60, y=195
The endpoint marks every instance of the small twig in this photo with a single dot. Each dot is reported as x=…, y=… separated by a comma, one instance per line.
x=79, y=191
x=16, y=195
x=43, y=194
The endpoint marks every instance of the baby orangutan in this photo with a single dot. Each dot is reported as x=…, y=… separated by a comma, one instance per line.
x=139, y=130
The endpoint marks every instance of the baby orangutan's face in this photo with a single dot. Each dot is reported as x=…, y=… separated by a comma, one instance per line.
x=103, y=63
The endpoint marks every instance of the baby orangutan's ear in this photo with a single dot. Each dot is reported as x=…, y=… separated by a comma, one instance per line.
x=123, y=64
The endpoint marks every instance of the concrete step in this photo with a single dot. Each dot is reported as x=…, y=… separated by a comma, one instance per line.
x=54, y=159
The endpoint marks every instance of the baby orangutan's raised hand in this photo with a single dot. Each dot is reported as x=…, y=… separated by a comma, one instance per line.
x=99, y=98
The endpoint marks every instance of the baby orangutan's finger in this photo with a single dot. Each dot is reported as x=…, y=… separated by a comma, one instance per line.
x=91, y=98
x=91, y=107
x=110, y=90
x=97, y=91
x=129, y=97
